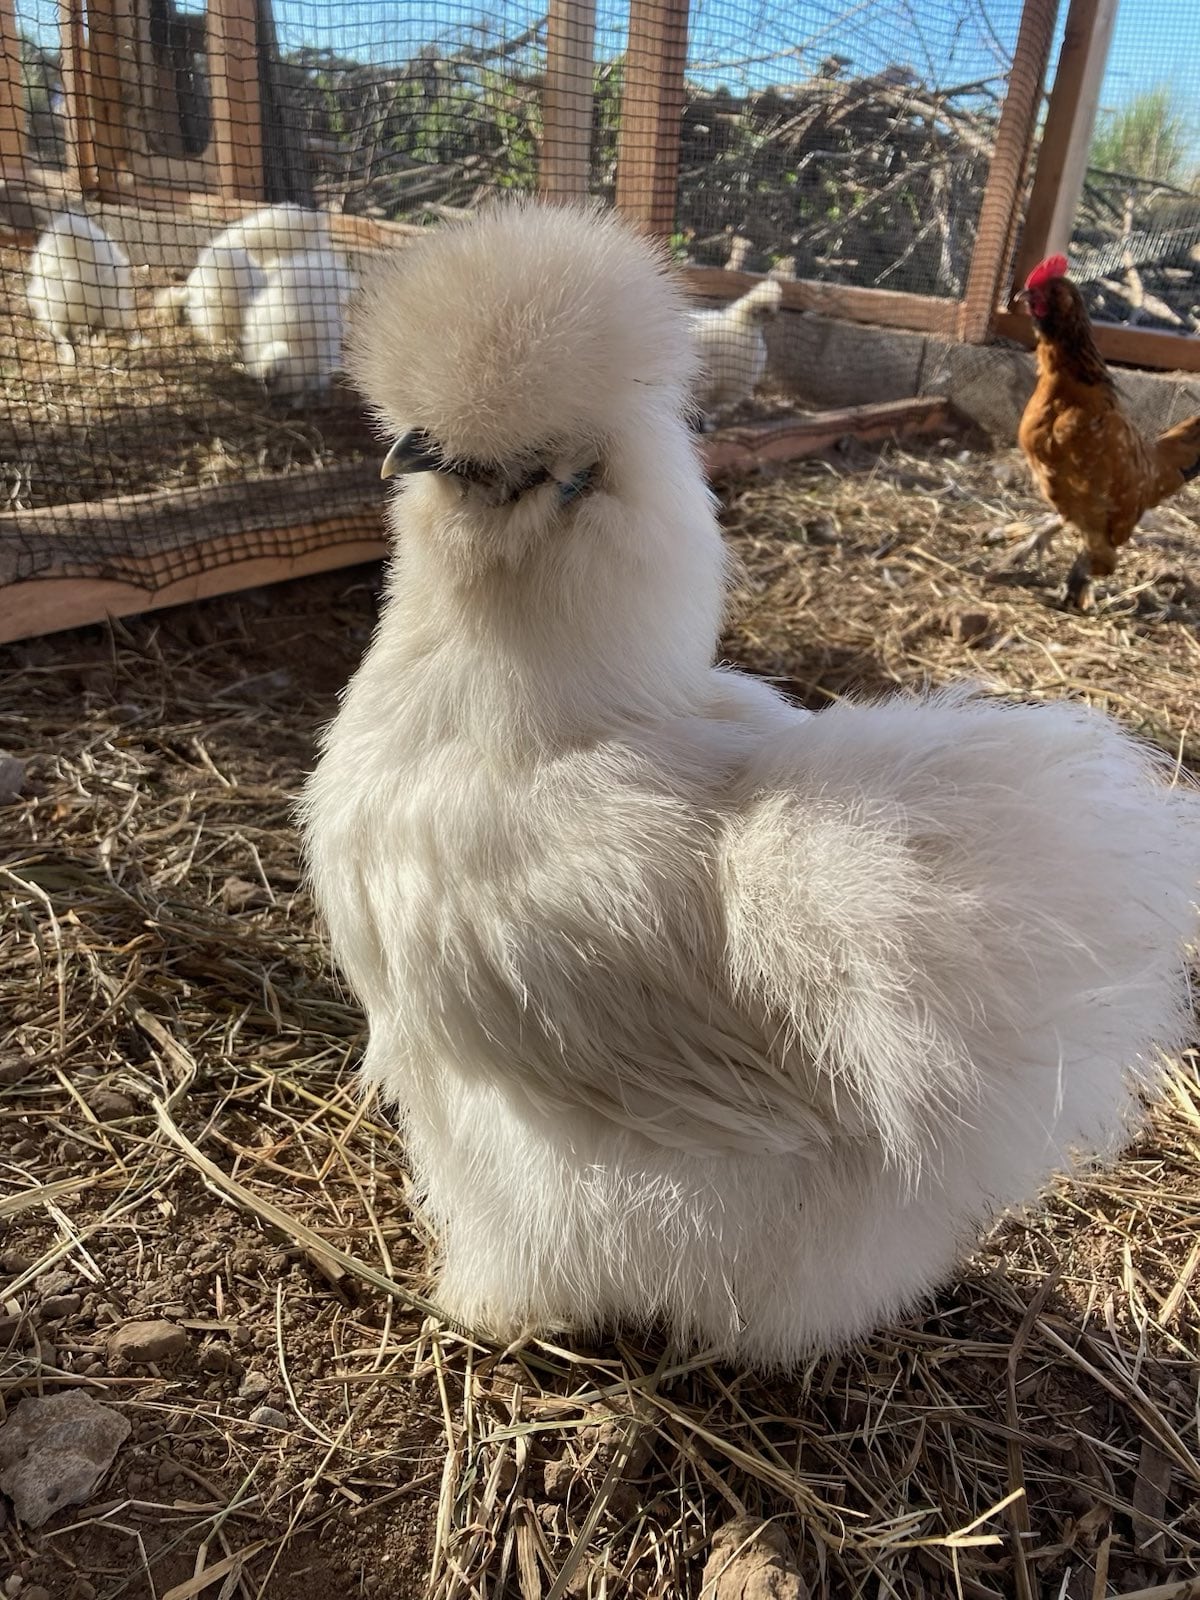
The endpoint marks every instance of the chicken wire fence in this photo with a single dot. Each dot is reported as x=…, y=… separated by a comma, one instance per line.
x=1135, y=241
x=848, y=142
x=206, y=422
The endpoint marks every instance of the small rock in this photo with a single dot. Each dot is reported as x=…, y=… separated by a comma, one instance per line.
x=239, y=894
x=54, y=1450
x=216, y=1358
x=108, y=1105
x=60, y=1305
x=13, y=1584
x=254, y=1386
x=268, y=1417
x=559, y=1477
x=148, y=1342
x=821, y=530
x=168, y=1471
x=15, y=1069
x=13, y=1263
x=36, y=1593
x=12, y=779
x=968, y=627
x=752, y=1560
x=54, y=1282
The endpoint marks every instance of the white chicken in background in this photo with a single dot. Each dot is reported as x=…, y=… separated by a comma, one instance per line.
x=80, y=280
x=293, y=329
x=697, y=1008
x=274, y=233
x=218, y=292
x=733, y=348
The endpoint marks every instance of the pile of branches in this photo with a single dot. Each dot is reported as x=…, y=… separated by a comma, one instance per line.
x=443, y=130
x=876, y=181
x=1136, y=251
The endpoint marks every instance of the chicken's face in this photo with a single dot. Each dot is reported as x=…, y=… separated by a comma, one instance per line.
x=507, y=354
x=1050, y=297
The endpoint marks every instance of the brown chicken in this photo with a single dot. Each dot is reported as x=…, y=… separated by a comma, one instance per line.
x=1088, y=459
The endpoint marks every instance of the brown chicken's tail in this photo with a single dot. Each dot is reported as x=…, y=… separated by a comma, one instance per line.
x=1177, y=456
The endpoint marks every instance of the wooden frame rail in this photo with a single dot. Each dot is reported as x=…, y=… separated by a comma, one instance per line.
x=237, y=138
x=652, y=113
x=1001, y=205
x=12, y=97
x=883, y=307
x=1067, y=136
x=565, y=158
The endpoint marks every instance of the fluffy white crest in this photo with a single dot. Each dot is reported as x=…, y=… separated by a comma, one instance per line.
x=522, y=331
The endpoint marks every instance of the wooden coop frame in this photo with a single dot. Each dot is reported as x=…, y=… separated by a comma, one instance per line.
x=332, y=516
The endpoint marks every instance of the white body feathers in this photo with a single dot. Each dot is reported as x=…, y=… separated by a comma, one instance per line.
x=273, y=233
x=732, y=347
x=293, y=328
x=79, y=280
x=218, y=291
x=697, y=1008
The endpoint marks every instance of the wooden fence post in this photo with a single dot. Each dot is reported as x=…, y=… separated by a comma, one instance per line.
x=237, y=138
x=98, y=156
x=565, y=159
x=1067, y=137
x=652, y=113
x=12, y=96
x=1006, y=176
x=77, y=112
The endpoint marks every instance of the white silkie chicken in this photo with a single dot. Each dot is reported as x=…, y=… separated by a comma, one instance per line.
x=698, y=1009
x=80, y=280
x=217, y=293
x=293, y=329
x=733, y=348
x=272, y=233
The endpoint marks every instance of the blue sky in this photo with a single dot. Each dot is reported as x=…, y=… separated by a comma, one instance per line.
x=750, y=42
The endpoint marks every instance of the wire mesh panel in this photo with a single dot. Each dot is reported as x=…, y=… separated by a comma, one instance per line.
x=849, y=140
x=1135, y=243
x=191, y=194
x=193, y=190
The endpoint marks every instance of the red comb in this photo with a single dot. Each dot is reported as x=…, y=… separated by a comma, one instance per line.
x=1046, y=271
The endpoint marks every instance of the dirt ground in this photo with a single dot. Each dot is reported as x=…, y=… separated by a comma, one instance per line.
x=181, y=1140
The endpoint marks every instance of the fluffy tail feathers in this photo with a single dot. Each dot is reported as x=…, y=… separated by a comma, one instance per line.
x=1177, y=456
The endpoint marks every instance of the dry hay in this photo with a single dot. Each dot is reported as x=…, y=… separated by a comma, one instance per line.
x=166, y=413
x=179, y=1135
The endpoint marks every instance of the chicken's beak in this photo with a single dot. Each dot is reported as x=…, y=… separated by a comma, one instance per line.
x=412, y=453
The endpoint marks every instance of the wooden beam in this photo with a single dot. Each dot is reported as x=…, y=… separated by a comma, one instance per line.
x=735, y=450
x=1002, y=194
x=63, y=565
x=1132, y=347
x=1067, y=136
x=234, y=95
x=49, y=605
x=12, y=97
x=886, y=308
x=565, y=158
x=97, y=135
x=652, y=113
x=81, y=152
x=107, y=37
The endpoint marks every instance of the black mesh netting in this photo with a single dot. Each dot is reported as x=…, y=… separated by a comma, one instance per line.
x=170, y=348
